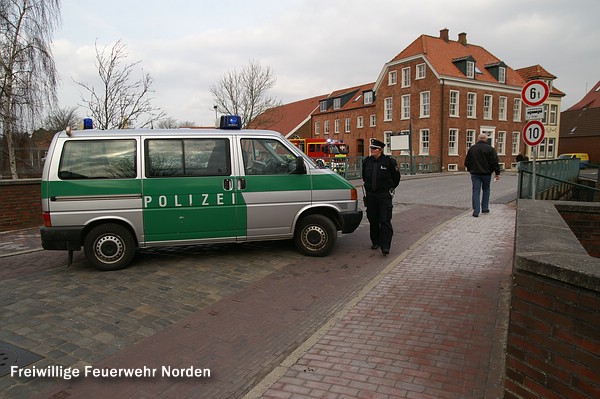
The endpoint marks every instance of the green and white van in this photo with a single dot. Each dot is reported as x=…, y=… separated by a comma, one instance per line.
x=113, y=191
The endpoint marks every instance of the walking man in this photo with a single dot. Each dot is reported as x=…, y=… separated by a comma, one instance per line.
x=481, y=162
x=381, y=176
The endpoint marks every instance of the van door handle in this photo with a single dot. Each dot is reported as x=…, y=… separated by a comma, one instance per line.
x=241, y=184
x=227, y=184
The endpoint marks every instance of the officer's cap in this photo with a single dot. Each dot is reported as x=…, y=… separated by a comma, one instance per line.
x=377, y=144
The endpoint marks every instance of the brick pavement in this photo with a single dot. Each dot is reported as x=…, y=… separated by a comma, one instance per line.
x=433, y=325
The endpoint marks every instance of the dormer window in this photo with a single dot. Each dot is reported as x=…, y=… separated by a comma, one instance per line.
x=470, y=69
x=368, y=97
x=498, y=71
x=337, y=103
x=323, y=106
x=467, y=66
x=501, y=75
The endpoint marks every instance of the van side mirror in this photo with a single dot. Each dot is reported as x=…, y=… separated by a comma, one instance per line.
x=300, y=167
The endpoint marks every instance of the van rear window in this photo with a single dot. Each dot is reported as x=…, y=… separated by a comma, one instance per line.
x=98, y=159
x=187, y=157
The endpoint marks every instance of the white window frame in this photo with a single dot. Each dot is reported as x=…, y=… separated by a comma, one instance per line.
x=372, y=121
x=502, y=105
x=425, y=108
x=387, y=109
x=470, y=138
x=405, y=106
x=323, y=106
x=501, y=75
x=553, y=114
x=470, y=69
x=317, y=128
x=406, y=77
x=337, y=103
x=487, y=106
x=392, y=78
x=420, y=71
x=453, y=142
x=424, y=142
x=387, y=139
x=326, y=127
x=471, y=105
x=517, y=110
x=501, y=143
x=368, y=97
x=360, y=122
x=516, y=143
x=336, y=126
x=347, y=129
x=454, y=102
x=551, y=146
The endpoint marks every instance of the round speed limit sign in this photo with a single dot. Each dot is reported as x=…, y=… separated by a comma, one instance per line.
x=533, y=133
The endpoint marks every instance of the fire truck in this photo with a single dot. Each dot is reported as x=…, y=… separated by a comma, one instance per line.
x=325, y=152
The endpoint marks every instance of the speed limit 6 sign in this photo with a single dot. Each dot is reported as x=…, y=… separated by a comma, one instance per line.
x=533, y=133
x=535, y=92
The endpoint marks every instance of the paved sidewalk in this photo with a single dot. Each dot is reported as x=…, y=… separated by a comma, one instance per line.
x=18, y=242
x=431, y=325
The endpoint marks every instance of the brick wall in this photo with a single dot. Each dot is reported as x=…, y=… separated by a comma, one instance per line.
x=20, y=204
x=553, y=340
x=584, y=221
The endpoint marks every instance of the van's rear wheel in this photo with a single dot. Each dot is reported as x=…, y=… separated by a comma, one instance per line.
x=109, y=247
x=315, y=235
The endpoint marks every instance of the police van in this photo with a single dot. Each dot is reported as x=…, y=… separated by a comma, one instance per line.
x=113, y=191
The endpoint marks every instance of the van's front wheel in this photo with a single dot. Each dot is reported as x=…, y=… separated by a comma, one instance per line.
x=109, y=247
x=315, y=235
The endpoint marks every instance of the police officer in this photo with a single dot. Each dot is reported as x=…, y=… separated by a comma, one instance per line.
x=381, y=176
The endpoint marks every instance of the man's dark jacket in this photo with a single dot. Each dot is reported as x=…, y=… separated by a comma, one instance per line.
x=482, y=159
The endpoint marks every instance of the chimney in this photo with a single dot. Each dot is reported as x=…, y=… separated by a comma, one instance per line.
x=444, y=34
x=462, y=38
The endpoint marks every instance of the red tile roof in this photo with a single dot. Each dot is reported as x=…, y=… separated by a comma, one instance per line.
x=287, y=118
x=538, y=72
x=440, y=54
x=590, y=100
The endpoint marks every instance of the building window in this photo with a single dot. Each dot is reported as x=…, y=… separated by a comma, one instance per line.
x=471, y=105
x=317, y=128
x=502, y=108
x=517, y=110
x=487, y=106
x=360, y=123
x=406, y=106
x=516, y=140
x=347, y=130
x=501, y=144
x=551, y=142
x=545, y=116
x=336, y=126
x=392, y=78
x=323, y=106
x=387, y=109
x=337, y=103
x=453, y=109
x=470, y=138
x=406, y=77
x=326, y=127
x=424, y=142
x=372, y=120
x=420, y=71
x=553, y=113
x=453, y=142
x=368, y=98
x=470, y=69
x=425, y=104
x=542, y=149
x=387, y=139
x=501, y=75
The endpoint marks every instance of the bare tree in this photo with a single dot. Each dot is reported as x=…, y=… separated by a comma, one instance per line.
x=60, y=118
x=245, y=92
x=121, y=102
x=28, y=75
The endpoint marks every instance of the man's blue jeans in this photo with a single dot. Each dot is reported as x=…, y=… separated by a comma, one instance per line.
x=481, y=183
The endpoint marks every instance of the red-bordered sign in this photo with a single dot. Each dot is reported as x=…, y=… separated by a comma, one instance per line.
x=535, y=92
x=533, y=133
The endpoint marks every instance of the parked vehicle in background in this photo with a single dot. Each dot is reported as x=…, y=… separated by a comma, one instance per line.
x=583, y=157
x=112, y=191
x=325, y=152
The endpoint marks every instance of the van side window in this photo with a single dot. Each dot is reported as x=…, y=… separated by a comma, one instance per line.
x=267, y=157
x=187, y=157
x=98, y=159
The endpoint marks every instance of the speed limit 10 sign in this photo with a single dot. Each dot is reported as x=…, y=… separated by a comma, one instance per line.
x=533, y=133
x=535, y=92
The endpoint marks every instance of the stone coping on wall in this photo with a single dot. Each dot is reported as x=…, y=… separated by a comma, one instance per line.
x=8, y=182
x=545, y=245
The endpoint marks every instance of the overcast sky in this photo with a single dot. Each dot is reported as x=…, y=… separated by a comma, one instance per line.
x=313, y=47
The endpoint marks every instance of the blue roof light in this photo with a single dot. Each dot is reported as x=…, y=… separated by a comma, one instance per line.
x=230, y=122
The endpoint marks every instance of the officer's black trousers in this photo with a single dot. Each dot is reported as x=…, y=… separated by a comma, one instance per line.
x=379, y=214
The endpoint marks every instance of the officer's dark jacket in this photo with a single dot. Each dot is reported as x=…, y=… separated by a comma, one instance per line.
x=388, y=175
x=482, y=159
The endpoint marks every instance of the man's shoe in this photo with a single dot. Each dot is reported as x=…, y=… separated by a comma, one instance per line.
x=374, y=246
x=475, y=215
x=485, y=211
x=385, y=251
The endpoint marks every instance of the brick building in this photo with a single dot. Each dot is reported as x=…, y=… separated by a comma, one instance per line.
x=439, y=92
